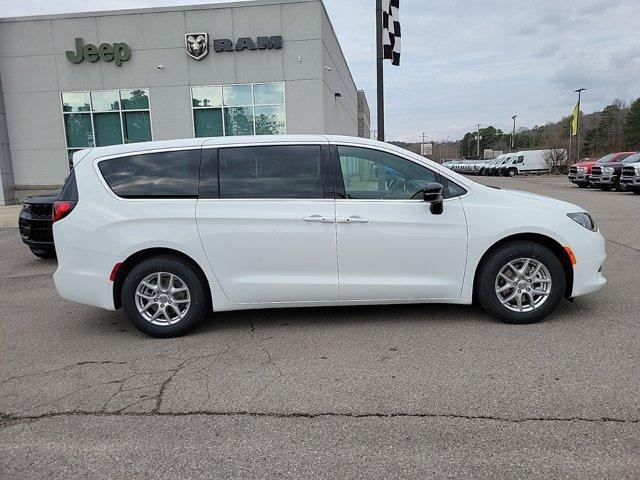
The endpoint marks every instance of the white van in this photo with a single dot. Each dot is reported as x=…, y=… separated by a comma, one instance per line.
x=525, y=161
x=492, y=162
x=171, y=230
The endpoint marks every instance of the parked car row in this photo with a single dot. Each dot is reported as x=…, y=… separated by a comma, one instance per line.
x=507, y=164
x=620, y=171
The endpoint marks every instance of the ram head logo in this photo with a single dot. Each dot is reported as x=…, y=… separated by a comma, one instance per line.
x=197, y=45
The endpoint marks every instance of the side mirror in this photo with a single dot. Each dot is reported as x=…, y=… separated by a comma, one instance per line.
x=432, y=193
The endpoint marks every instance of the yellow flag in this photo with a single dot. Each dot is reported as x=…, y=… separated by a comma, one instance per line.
x=574, y=122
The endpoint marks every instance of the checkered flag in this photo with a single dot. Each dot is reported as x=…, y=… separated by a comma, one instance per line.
x=391, y=30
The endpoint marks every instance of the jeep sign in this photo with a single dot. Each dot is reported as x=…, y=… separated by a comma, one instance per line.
x=118, y=52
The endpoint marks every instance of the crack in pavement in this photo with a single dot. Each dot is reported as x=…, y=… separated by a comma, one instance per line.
x=62, y=369
x=146, y=397
x=268, y=362
x=623, y=245
x=259, y=344
x=7, y=420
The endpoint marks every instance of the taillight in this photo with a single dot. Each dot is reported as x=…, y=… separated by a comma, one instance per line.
x=62, y=208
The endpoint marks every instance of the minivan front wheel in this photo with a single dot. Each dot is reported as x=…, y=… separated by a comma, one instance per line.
x=521, y=282
x=163, y=297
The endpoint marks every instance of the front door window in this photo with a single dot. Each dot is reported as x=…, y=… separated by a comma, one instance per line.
x=372, y=174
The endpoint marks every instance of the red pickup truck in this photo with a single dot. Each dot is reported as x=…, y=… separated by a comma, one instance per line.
x=579, y=173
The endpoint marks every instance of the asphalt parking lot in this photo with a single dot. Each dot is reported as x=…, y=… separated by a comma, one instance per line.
x=357, y=392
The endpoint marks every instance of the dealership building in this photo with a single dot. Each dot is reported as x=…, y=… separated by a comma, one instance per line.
x=81, y=80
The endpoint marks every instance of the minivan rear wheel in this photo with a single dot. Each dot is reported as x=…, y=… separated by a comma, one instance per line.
x=512, y=172
x=164, y=297
x=521, y=282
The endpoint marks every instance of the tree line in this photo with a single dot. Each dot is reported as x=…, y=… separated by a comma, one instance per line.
x=615, y=128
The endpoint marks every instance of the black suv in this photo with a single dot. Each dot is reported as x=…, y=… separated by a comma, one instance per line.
x=35, y=223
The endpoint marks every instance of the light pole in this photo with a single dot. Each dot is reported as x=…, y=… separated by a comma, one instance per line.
x=513, y=133
x=379, y=72
x=578, y=91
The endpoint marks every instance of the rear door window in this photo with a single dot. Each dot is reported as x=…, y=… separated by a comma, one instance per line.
x=169, y=174
x=274, y=171
x=69, y=191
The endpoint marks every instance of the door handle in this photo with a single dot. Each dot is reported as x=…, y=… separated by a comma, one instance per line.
x=353, y=219
x=317, y=219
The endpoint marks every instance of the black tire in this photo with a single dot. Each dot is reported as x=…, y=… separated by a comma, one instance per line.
x=192, y=280
x=583, y=185
x=606, y=188
x=635, y=190
x=43, y=252
x=620, y=187
x=512, y=172
x=499, y=258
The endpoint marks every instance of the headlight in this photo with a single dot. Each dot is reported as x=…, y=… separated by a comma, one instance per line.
x=637, y=170
x=607, y=170
x=583, y=219
x=582, y=169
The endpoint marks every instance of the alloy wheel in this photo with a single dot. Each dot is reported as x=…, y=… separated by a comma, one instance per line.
x=162, y=298
x=523, y=285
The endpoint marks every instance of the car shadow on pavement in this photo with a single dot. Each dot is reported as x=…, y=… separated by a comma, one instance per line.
x=99, y=322
x=319, y=318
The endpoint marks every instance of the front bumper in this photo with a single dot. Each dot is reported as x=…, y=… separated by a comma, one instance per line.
x=628, y=181
x=604, y=180
x=578, y=177
x=36, y=232
x=589, y=250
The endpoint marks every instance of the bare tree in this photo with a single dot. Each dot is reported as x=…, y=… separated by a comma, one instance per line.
x=556, y=160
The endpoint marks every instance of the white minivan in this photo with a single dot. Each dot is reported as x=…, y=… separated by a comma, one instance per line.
x=525, y=161
x=171, y=230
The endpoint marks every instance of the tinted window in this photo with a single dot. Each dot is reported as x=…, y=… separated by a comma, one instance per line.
x=69, y=191
x=278, y=171
x=154, y=175
x=372, y=174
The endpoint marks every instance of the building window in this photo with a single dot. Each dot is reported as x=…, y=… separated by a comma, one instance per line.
x=106, y=117
x=245, y=109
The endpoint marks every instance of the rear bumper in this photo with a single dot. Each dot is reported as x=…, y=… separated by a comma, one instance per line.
x=82, y=276
x=84, y=288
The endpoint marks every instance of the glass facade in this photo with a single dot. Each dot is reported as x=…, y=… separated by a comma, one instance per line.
x=107, y=117
x=243, y=109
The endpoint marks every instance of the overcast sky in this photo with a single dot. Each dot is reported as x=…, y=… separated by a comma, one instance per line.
x=471, y=61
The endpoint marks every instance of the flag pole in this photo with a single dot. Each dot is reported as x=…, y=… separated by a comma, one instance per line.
x=578, y=91
x=569, y=161
x=380, y=71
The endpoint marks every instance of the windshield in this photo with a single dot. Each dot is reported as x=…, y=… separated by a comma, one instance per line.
x=606, y=159
x=506, y=160
x=635, y=158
